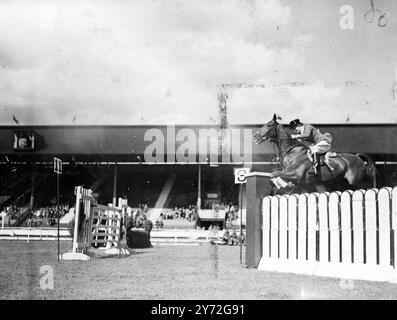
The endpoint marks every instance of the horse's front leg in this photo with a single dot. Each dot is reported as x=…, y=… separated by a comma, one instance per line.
x=294, y=176
x=285, y=175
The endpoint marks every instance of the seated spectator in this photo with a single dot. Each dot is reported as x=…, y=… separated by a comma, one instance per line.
x=148, y=225
x=189, y=214
x=226, y=236
x=3, y=215
x=242, y=238
x=159, y=224
x=229, y=223
x=129, y=222
x=176, y=213
x=35, y=222
x=51, y=221
x=215, y=227
x=139, y=222
x=233, y=239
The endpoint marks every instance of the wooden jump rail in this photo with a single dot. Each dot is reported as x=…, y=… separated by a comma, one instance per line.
x=101, y=227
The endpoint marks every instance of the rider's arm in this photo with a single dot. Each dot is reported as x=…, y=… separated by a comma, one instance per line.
x=305, y=133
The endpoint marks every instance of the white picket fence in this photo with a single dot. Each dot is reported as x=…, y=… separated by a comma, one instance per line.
x=348, y=235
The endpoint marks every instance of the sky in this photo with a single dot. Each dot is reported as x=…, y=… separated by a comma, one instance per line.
x=135, y=62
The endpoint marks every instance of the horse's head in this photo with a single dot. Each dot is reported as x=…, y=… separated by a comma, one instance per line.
x=268, y=132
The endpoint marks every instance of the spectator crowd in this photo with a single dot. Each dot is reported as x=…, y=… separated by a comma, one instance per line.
x=231, y=238
x=10, y=213
x=47, y=215
x=36, y=218
x=188, y=213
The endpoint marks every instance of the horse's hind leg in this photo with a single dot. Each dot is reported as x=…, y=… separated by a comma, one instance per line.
x=354, y=176
x=351, y=178
x=320, y=188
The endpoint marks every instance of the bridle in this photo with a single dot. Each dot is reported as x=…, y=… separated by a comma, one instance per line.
x=276, y=141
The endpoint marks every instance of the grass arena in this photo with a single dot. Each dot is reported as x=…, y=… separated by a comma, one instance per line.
x=30, y=269
x=164, y=272
x=214, y=151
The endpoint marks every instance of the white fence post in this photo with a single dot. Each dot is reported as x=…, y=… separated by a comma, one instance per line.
x=346, y=226
x=384, y=210
x=323, y=227
x=274, y=227
x=334, y=201
x=76, y=219
x=394, y=227
x=283, y=227
x=311, y=227
x=302, y=212
x=358, y=226
x=292, y=227
x=266, y=212
x=370, y=227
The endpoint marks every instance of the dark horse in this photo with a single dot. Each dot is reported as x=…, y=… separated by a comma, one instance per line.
x=296, y=165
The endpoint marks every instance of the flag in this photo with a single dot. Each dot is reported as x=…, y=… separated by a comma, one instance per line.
x=15, y=119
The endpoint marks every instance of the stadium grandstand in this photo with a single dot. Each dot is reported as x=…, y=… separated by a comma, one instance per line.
x=142, y=164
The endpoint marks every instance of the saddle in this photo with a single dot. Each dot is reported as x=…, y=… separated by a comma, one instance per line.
x=323, y=160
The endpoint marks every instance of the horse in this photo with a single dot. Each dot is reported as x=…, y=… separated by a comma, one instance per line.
x=296, y=165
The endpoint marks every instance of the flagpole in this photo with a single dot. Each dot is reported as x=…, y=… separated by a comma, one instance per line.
x=58, y=213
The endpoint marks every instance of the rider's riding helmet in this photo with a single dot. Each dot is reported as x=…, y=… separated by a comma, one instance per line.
x=294, y=123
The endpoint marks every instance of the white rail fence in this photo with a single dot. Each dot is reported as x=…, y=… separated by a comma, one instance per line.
x=28, y=234
x=347, y=234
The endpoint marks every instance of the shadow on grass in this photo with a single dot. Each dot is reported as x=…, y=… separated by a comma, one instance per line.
x=99, y=253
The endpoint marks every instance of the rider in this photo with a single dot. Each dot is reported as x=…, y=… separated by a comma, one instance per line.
x=320, y=143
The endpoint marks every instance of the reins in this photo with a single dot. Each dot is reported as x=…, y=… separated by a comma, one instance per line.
x=276, y=142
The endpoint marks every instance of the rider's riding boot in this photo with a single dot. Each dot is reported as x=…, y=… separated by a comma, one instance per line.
x=315, y=159
x=316, y=162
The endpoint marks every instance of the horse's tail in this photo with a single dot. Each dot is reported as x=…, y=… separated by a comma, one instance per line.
x=370, y=169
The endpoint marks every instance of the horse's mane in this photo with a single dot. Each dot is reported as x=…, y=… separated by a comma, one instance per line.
x=285, y=130
x=285, y=135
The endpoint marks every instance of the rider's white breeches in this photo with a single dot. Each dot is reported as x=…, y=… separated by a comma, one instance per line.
x=321, y=147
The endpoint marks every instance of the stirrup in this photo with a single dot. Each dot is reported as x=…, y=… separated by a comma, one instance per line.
x=328, y=165
x=310, y=155
x=313, y=170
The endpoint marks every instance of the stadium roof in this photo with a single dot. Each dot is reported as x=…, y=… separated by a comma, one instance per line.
x=127, y=143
